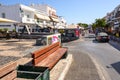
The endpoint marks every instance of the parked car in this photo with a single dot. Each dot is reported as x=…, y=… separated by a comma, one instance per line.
x=69, y=34
x=102, y=36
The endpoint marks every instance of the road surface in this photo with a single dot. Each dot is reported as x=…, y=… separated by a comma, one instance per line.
x=104, y=55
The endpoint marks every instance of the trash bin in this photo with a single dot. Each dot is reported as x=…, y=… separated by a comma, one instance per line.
x=41, y=41
x=29, y=75
x=44, y=71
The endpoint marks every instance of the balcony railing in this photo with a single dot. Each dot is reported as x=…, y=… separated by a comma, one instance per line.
x=28, y=20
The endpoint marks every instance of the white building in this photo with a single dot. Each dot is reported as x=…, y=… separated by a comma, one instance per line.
x=21, y=13
x=33, y=16
x=62, y=23
x=49, y=11
x=113, y=19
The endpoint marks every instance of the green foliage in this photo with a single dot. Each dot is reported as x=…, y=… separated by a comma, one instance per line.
x=94, y=26
x=1, y=30
x=99, y=23
x=83, y=25
x=14, y=30
x=5, y=29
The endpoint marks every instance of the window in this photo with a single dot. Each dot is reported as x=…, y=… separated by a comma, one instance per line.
x=21, y=10
x=28, y=16
x=5, y=25
x=3, y=15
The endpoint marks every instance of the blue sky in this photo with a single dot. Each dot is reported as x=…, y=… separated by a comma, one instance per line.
x=74, y=11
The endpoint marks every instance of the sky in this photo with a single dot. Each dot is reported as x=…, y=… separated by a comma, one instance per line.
x=74, y=11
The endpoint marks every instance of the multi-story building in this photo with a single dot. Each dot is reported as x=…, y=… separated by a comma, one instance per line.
x=62, y=23
x=20, y=13
x=113, y=18
x=49, y=11
x=117, y=17
x=35, y=16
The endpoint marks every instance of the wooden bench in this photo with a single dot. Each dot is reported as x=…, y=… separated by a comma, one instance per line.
x=8, y=71
x=49, y=55
x=11, y=71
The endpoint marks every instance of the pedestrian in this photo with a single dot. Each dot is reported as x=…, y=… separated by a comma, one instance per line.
x=7, y=35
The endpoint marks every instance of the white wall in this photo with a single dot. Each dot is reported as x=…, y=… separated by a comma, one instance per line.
x=11, y=12
x=9, y=26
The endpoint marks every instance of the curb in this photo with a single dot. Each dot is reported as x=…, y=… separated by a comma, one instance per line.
x=65, y=70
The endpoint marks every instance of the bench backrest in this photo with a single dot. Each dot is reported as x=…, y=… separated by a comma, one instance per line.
x=41, y=54
x=8, y=71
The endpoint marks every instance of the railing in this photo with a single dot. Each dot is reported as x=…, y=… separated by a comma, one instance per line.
x=28, y=20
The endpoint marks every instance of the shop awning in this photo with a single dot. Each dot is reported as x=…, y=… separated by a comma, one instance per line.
x=43, y=17
x=2, y=20
x=55, y=20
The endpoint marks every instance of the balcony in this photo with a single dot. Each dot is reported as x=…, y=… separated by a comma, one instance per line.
x=28, y=20
x=117, y=14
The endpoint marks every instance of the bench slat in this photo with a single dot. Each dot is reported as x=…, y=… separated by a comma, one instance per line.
x=40, y=58
x=44, y=50
x=12, y=75
x=52, y=59
x=7, y=68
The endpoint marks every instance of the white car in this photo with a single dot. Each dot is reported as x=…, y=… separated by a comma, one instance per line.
x=102, y=36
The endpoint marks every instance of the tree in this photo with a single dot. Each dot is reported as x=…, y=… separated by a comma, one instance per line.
x=100, y=23
x=93, y=26
x=83, y=25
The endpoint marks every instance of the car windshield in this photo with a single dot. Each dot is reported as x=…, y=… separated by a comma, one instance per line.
x=102, y=34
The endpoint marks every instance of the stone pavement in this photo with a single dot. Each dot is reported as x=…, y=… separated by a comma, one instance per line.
x=13, y=50
x=19, y=51
x=82, y=67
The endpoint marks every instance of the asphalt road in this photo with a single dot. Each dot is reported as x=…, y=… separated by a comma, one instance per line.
x=82, y=67
x=104, y=55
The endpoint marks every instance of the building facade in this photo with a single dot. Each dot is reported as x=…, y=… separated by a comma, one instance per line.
x=24, y=15
x=35, y=16
x=113, y=19
x=48, y=11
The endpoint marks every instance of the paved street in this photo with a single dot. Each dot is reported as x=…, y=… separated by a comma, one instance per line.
x=87, y=54
x=82, y=67
x=104, y=55
x=107, y=56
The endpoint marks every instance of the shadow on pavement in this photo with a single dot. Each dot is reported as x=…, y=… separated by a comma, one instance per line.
x=115, y=45
x=94, y=41
x=116, y=66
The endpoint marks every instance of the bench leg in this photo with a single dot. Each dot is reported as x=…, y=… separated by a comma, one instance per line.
x=65, y=55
